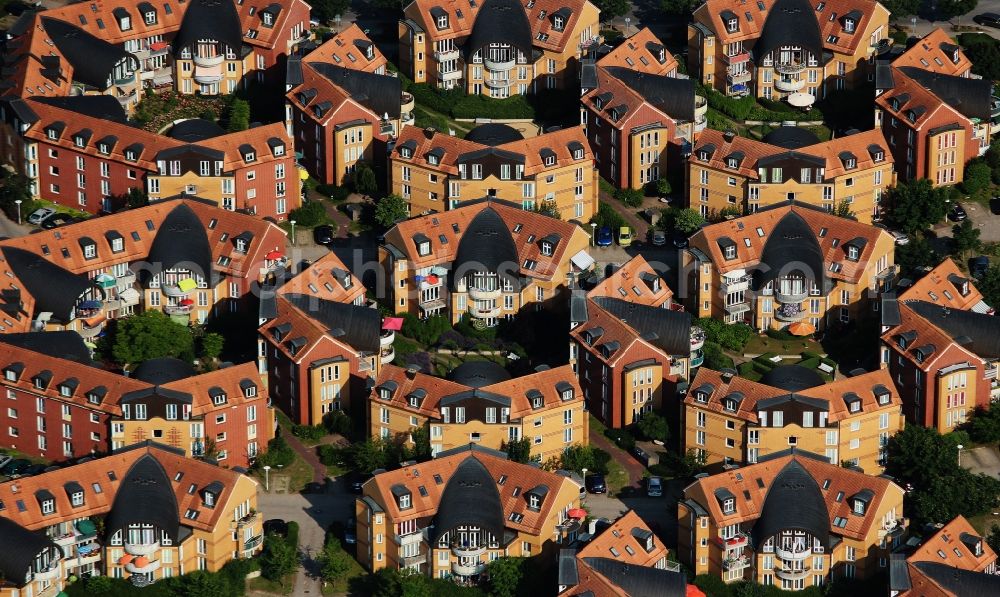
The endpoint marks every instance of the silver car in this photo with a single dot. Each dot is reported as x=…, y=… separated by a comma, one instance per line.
x=654, y=487
x=659, y=238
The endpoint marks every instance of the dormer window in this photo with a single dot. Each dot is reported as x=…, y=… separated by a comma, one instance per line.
x=852, y=253
x=533, y=502
x=79, y=141
x=703, y=155
x=249, y=157
x=432, y=160
x=268, y=18
x=442, y=22
x=701, y=397
x=733, y=25
x=218, y=396
x=52, y=134
x=730, y=252
x=550, y=160
x=48, y=506
x=546, y=248
x=385, y=393
x=578, y=154
x=729, y=506
x=558, y=23
x=424, y=248
x=879, y=156
x=732, y=163
x=76, y=498
x=209, y=498
x=241, y=245
x=404, y=499
x=848, y=25
x=405, y=152
x=851, y=163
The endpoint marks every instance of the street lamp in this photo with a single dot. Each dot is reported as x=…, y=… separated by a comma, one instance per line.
x=593, y=234
x=627, y=21
x=293, y=231
x=18, y=202
x=267, y=478
x=959, y=446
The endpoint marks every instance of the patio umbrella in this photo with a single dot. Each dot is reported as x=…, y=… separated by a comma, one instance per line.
x=577, y=513
x=274, y=255
x=801, y=328
x=392, y=323
x=185, y=302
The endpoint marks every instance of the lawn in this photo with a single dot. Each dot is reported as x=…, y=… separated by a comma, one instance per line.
x=763, y=344
x=157, y=110
x=984, y=522
x=617, y=476
x=341, y=586
x=424, y=117
x=269, y=586
x=299, y=471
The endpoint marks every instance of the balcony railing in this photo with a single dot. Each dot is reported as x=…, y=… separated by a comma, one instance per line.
x=737, y=308
x=142, y=549
x=792, y=555
x=483, y=295
x=730, y=285
x=387, y=338
x=151, y=566
x=460, y=570
x=407, y=561
x=736, y=563
x=253, y=542
x=468, y=551
x=386, y=355
x=499, y=65
x=790, y=85
x=792, y=573
x=794, y=297
x=209, y=61
x=50, y=573
x=497, y=83
x=790, y=68
x=443, y=55
x=248, y=519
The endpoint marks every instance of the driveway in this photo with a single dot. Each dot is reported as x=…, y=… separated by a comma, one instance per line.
x=660, y=513
x=985, y=460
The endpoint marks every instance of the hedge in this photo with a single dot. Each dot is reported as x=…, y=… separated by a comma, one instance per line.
x=455, y=103
x=749, y=108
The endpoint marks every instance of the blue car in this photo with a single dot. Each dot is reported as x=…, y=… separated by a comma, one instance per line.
x=604, y=238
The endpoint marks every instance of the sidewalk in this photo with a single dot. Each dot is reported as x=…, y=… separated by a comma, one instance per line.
x=309, y=455
x=638, y=225
x=631, y=465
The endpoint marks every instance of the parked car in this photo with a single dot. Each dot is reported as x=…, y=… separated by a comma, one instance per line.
x=15, y=467
x=595, y=483
x=995, y=206
x=35, y=469
x=680, y=241
x=4, y=459
x=659, y=238
x=977, y=266
x=654, y=487
x=625, y=236
x=604, y=238
x=56, y=220
x=323, y=235
x=357, y=480
x=276, y=526
x=350, y=535
x=957, y=213
x=900, y=238
x=39, y=215
x=987, y=19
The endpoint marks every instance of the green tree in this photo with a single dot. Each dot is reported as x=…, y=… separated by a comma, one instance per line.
x=310, y=214
x=391, y=209
x=916, y=253
x=279, y=558
x=965, y=238
x=370, y=454
x=239, y=115
x=993, y=538
x=688, y=221
x=211, y=345
x=663, y=187
x=505, y=574
x=421, y=437
x=548, y=208
x=151, y=335
x=203, y=584
x=334, y=562
x=984, y=52
x=326, y=10
x=945, y=10
x=518, y=450
x=654, y=427
x=989, y=285
x=914, y=205
x=715, y=358
x=578, y=457
x=136, y=197
x=612, y=8
x=14, y=187
x=977, y=176
x=984, y=427
x=629, y=197
x=364, y=179
x=843, y=210
x=679, y=7
x=902, y=8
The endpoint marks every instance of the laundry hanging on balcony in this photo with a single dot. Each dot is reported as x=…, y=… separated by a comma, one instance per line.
x=187, y=285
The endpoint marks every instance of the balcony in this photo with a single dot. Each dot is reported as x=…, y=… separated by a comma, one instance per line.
x=451, y=75
x=146, y=568
x=141, y=549
x=125, y=79
x=88, y=332
x=209, y=61
x=790, y=68
x=387, y=338
x=484, y=313
x=477, y=294
x=738, y=541
x=697, y=358
x=460, y=570
x=177, y=309
x=792, y=574
x=50, y=573
x=386, y=355
x=737, y=308
x=248, y=519
x=697, y=338
x=730, y=285
x=406, y=102
x=125, y=280
x=790, y=85
x=180, y=289
x=407, y=561
x=497, y=83
x=206, y=75
x=792, y=555
x=790, y=313
x=128, y=297
x=410, y=538
x=738, y=58
x=739, y=77
x=735, y=562
x=468, y=552
x=499, y=65
x=790, y=297
x=444, y=55
x=66, y=541
x=700, y=125
x=253, y=542
x=700, y=107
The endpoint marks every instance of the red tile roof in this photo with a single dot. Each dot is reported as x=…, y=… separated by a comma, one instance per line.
x=621, y=536
x=943, y=286
x=629, y=282
x=953, y=545
x=636, y=53
x=936, y=52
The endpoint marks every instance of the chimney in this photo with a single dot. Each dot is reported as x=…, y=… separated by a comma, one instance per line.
x=411, y=372
x=729, y=135
x=728, y=375
x=429, y=132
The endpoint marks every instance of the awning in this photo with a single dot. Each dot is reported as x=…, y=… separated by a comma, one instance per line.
x=439, y=271
x=392, y=323
x=86, y=527
x=982, y=307
x=739, y=87
x=577, y=513
x=801, y=100
x=187, y=285
x=85, y=549
x=93, y=322
x=582, y=260
x=185, y=302
x=105, y=281
x=156, y=46
x=207, y=74
x=164, y=79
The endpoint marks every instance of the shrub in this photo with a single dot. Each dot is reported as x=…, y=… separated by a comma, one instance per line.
x=329, y=454
x=733, y=336
x=629, y=197
x=607, y=216
x=278, y=453
x=622, y=438
x=780, y=334
x=901, y=37
x=808, y=354
x=332, y=191
x=715, y=358
x=310, y=433
x=337, y=422
x=310, y=215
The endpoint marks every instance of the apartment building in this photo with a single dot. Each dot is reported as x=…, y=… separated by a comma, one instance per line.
x=734, y=421
x=497, y=48
x=948, y=286
x=638, y=282
x=342, y=107
x=637, y=114
x=485, y=259
x=793, y=520
x=617, y=344
x=727, y=173
x=786, y=264
x=479, y=402
x=184, y=257
x=953, y=560
x=937, y=52
x=934, y=122
x=789, y=50
x=320, y=343
x=143, y=513
x=80, y=152
x=434, y=171
x=450, y=516
x=120, y=48
x=625, y=558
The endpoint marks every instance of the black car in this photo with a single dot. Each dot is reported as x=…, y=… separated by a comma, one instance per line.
x=987, y=19
x=15, y=467
x=35, y=469
x=56, y=221
x=957, y=213
x=680, y=241
x=979, y=265
x=595, y=483
x=357, y=480
x=323, y=235
x=276, y=526
x=995, y=206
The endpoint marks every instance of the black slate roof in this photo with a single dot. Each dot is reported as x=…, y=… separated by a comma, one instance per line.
x=210, y=19
x=971, y=97
x=500, y=21
x=470, y=498
x=790, y=23
x=93, y=59
x=640, y=581
x=16, y=562
x=477, y=374
x=486, y=245
x=62, y=344
x=54, y=289
x=493, y=134
x=673, y=96
x=791, y=137
x=960, y=582
x=568, y=574
x=145, y=496
x=378, y=93
x=791, y=245
x=792, y=378
x=890, y=309
x=194, y=130
x=666, y=329
x=977, y=332
x=357, y=326
x=794, y=502
x=104, y=107
x=181, y=238
x=163, y=370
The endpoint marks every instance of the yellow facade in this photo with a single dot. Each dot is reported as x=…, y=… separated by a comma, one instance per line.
x=221, y=76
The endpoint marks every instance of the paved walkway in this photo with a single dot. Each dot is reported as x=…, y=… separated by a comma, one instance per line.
x=309, y=455
x=631, y=465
